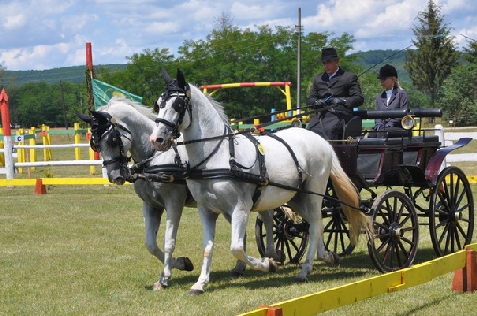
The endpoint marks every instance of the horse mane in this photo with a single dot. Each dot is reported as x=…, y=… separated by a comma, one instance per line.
x=142, y=109
x=217, y=105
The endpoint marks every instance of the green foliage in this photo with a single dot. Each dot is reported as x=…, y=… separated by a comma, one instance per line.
x=142, y=74
x=470, y=53
x=458, y=97
x=435, y=55
x=39, y=103
x=375, y=59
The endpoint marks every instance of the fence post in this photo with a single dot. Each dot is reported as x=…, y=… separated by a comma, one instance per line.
x=32, y=142
x=77, y=141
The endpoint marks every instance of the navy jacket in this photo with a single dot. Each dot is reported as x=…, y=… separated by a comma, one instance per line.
x=398, y=101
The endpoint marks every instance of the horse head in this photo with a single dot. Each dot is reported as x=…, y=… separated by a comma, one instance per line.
x=112, y=140
x=172, y=106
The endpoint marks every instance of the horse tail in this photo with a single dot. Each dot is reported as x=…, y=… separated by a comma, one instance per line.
x=347, y=192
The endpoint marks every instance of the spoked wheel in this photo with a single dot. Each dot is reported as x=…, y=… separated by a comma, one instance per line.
x=290, y=235
x=336, y=233
x=451, y=216
x=396, y=232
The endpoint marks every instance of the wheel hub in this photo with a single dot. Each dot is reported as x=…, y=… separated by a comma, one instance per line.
x=395, y=231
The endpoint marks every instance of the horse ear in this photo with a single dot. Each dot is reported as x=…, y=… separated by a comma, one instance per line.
x=165, y=75
x=86, y=118
x=182, y=82
x=180, y=78
x=102, y=117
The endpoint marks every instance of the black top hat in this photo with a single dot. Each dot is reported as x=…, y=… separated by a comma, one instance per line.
x=329, y=54
x=387, y=71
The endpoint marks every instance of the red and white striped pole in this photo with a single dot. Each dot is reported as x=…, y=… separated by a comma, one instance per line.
x=7, y=135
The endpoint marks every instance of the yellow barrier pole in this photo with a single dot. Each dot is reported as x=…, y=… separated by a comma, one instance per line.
x=2, y=156
x=45, y=142
x=48, y=137
x=77, y=141
x=20, y=151
x=32, y=142
x=90, y=151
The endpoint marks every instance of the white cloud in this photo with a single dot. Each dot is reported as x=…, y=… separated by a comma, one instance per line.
x=39, y=34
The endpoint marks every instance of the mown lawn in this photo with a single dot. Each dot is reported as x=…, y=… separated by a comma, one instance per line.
x=78, y=250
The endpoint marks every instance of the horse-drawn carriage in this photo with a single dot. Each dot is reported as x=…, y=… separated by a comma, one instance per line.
x=283, y=173
x=401, y=178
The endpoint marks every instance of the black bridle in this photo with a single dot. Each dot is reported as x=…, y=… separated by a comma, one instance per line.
x=110, y=132
x=181, y=104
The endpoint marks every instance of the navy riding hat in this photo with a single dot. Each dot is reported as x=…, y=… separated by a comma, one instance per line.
x=387, y=71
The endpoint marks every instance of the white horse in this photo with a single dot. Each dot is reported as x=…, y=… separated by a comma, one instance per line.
x=236, y=173
x=124, y=126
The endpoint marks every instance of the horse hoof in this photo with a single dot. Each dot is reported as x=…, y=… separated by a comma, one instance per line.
x=188, y=265
x=196, y=292
x=336, y=258
x=158, y=286
x=300, y=280
x=272, y=265
x=239, y=269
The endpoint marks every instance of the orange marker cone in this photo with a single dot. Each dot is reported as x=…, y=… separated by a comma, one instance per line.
x=465, y=279
x=40, y=187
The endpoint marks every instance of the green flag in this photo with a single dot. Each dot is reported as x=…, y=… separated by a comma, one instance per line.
x=103, y=92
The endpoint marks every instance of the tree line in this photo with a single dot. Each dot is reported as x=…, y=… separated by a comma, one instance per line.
x=437, y=74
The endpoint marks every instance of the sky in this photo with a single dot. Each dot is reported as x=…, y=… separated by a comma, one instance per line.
x=46, y=34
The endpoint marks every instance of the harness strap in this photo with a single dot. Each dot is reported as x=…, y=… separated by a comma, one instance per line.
x=292, y=154
x=262, y=178
x=261, y=167
x=212, y=153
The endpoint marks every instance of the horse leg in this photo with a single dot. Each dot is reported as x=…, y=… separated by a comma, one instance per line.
x=174, y=213
x=152, y=220
x=240, y=266
x=311, y=212
x=239, y=225
x=209, y=221
x=270, y=250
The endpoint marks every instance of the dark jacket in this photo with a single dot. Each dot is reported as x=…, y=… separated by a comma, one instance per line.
x=329, y=124
x=398, y=101
x=344, y=85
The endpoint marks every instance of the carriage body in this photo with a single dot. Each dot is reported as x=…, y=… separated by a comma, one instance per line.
x=403, y=184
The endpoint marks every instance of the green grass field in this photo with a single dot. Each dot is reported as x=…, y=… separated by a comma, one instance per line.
x=79, y=250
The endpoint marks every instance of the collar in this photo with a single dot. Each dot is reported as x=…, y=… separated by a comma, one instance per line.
x=334, y=74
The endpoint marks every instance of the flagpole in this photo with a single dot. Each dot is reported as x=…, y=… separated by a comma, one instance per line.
x=89, y=86
x=90, y=73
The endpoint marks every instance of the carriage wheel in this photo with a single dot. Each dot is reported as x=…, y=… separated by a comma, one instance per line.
x=451, y=212
x=336, y=233
x=396, y=232
x=290, y=235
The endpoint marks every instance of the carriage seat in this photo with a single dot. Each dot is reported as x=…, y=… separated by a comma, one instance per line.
x=353, y=128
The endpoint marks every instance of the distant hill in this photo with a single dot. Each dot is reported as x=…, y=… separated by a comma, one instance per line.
x=381, y=57
x=77, y=73
x=74, y=74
